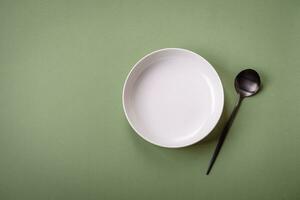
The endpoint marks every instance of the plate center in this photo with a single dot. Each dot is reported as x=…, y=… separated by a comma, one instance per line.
x=172, y=99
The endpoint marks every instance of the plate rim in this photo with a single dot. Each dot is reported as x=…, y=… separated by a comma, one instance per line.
x=155, y=143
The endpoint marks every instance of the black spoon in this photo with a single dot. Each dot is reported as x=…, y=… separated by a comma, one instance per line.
x=247, y=83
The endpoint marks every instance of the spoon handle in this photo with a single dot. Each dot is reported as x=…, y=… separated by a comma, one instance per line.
x=223, y=134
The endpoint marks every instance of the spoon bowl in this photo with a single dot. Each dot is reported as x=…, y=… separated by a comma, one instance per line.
x=247, y=83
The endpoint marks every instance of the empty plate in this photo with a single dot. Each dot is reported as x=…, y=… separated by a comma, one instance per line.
x=173, y=97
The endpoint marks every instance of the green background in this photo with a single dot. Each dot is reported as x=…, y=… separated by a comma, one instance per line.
x=63, y=134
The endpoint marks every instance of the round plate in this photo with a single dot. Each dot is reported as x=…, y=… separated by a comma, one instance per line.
x=173, y=97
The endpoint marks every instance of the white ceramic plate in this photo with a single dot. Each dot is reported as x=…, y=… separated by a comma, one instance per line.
x=173, y=97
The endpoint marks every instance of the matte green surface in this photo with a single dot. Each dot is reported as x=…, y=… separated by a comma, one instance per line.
x=63, y=134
